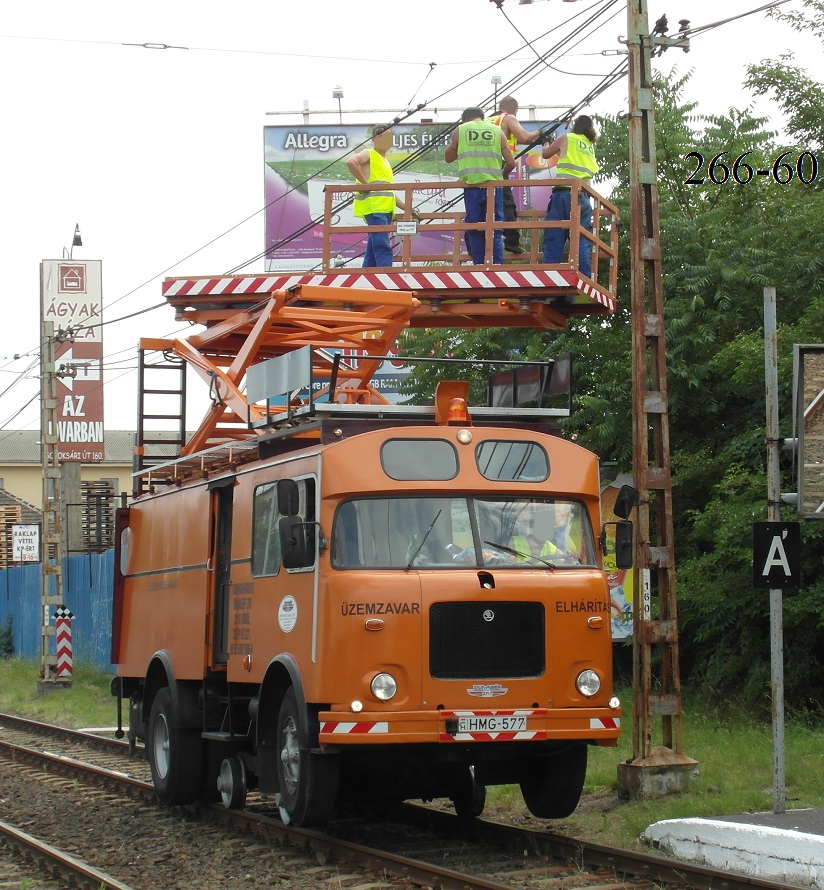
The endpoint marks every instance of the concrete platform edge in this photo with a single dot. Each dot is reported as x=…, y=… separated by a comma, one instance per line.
x=756, y=850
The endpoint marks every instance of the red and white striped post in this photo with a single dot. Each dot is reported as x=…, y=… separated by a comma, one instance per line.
x=63, y=633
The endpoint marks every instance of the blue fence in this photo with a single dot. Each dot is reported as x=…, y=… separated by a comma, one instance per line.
x=87, y=590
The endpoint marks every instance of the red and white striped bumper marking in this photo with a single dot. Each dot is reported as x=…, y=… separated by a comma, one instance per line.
x=500, y=278
x=359, y=728
x=529, y=736
x=363, y=727
x=604, y=722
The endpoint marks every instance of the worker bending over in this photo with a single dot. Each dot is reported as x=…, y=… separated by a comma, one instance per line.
x=506, y=118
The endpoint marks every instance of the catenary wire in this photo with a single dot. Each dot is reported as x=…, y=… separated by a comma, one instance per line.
x=606, y=82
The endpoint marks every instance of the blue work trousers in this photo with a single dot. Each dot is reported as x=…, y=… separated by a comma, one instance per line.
x=378, y=246
x=560, y=207
x=475, y=204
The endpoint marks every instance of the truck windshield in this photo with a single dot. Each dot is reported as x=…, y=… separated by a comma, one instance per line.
x=460, y=532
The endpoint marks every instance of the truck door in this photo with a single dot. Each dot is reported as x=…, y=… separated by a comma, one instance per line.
x=220, y=561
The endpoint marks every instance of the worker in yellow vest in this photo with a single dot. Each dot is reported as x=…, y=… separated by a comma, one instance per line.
x=376, y=208
x=506, y=118
x=576, y=158
x=483, y=156
x=546, y=533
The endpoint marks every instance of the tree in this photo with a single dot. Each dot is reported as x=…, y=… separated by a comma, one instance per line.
x=791, y=88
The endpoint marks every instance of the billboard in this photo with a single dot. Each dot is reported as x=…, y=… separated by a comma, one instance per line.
x=71, y=299
x=301, y=160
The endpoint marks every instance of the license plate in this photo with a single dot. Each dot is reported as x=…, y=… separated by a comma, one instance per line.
x=493, y=723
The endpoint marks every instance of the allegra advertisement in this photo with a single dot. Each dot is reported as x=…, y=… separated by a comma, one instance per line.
x=301, y=161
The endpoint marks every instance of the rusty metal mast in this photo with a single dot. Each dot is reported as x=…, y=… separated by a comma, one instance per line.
x=656, y=681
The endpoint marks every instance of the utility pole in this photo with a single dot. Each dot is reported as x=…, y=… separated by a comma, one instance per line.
x=663, y=768
x=52, y=539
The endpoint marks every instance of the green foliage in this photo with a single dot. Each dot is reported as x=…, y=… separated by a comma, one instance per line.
x=6, y=639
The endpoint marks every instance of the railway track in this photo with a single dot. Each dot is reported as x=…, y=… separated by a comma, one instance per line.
x=84, y=795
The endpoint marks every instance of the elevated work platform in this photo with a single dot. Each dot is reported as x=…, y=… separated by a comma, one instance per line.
x=431, y=261
x=468, y=297
x=248, y=319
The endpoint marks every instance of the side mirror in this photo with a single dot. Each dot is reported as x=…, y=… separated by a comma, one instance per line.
x=294, y=547
x=288, y=497
x=627, y=499
x=622, y=543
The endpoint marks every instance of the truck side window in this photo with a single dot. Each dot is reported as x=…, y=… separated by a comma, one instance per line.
x=308, y=513
x=265, y=538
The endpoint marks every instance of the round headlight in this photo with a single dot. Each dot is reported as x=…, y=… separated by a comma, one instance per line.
x=588, y=683
x=384, y=686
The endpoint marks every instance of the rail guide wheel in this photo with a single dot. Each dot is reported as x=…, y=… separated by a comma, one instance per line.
x=231, y=783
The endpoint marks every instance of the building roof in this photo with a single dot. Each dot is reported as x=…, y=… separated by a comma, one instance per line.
x=28, y=512
x=23, y=446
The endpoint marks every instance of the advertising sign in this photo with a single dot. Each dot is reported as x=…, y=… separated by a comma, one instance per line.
x=25, y=542
x=72, y=299
x=620, y=581
x=301, y=160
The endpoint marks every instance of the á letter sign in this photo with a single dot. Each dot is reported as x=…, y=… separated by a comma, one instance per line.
x=776, y=549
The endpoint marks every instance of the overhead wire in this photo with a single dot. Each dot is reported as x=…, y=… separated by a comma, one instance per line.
x=512, y=84
x=299, y=185
x=408, y=161
x=414, y=156
x=703, y=29
x=522, y=78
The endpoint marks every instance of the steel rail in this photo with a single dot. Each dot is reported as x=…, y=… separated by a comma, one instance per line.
x=69, y=867
x=642, y=866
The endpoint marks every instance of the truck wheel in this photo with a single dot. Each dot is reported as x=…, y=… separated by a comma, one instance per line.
x=175, y=755
x=552, y=785
x=468, y=798
x=308, y=781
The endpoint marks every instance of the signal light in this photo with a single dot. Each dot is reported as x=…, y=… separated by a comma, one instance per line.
x=451, y=402
x=457, y=411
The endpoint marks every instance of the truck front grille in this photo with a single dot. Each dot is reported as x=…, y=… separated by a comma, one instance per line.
x=486, y=640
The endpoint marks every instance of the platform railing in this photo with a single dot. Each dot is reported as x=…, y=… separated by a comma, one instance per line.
x=423, y=236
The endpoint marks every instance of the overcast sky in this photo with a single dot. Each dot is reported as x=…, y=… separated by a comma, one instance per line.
x=158, y=152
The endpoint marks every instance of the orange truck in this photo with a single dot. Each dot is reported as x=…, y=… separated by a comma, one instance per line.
x=368, y=601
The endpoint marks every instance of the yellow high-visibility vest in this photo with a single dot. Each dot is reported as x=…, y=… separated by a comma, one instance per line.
x=376, y=201
x=521, y=544
x=479, y=152
x=579, y=159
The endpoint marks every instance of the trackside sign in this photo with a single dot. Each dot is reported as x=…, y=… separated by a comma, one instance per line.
x=776, y=555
